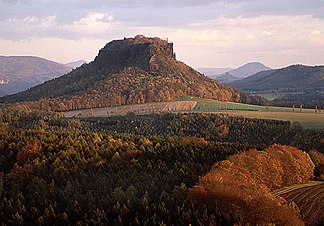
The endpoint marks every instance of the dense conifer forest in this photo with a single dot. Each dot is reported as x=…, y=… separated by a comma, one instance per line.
x=212, y=127
x=129, y=170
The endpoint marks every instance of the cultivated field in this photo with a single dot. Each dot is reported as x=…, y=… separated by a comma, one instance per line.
x=136, y=108
x=306, y=117
x=308, y=197
x=215, y=106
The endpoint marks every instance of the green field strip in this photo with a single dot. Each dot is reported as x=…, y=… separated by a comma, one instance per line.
x=220, y=106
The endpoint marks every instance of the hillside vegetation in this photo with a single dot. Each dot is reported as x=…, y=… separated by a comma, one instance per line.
x=296, y=84
x=292, y=78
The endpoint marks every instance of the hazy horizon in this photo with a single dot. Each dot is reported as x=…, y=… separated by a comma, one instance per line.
x=206, y=33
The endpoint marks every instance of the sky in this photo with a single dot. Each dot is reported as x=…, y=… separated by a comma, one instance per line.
x=205, y=33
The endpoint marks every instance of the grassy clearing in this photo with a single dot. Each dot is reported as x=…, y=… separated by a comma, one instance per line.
x=306, y=117
x=219, y=106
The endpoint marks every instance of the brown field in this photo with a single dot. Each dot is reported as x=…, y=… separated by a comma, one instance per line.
x=308, y=197
x=136, y=108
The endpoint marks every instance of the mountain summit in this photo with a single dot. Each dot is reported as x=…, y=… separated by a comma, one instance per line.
x=248, y=69
x=127, y=71
x=141, y=52
x=241, y=72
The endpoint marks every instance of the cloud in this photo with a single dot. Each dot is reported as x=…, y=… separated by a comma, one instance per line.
x=158, y=12
x=217, y=31
x=27, y=27
x=93, y=25
x=277, y=40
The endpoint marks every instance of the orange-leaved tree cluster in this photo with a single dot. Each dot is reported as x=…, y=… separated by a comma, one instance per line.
x=242, y=185
x=318, y=159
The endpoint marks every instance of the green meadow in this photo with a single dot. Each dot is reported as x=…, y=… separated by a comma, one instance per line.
x=305, y=117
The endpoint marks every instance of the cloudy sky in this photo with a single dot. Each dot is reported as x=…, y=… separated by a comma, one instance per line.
x=205, y=33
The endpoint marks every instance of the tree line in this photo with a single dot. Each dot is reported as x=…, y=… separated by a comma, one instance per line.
x=212, y=127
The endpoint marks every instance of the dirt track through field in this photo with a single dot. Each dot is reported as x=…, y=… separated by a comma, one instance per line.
x=136, y=108
x=308, y=197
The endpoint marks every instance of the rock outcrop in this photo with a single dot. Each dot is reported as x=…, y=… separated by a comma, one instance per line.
x=138, y=52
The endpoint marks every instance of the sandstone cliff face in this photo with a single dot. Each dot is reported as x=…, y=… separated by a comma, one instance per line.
x=139, y=52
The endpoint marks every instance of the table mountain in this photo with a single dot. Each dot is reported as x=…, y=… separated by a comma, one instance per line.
x=127, y=71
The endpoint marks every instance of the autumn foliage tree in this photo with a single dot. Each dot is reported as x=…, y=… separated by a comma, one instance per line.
x=242, y=185
x=318, y=159
x=28, y=152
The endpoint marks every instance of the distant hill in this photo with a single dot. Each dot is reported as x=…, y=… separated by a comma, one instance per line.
x=227, y=78
x=296, y=84
x=290, y=78
x=18, y=73
x=244, y=71
x=75, y=64
x=128, y=71
x=210, y=72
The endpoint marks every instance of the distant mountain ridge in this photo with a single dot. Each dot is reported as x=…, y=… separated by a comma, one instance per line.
x=210, y=72
x=18, y=73
x=227, y=78
x=75, y=64
x=291, y=77
x=128, y=71
x=241, y=72
x=292, y=85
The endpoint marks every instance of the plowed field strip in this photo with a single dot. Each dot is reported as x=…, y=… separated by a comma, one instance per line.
x=294, y=187
x=308, y=197
x=136, y=108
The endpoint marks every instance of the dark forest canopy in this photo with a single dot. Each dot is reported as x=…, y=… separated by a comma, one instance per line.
x=124, y=170
x=212, y=127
